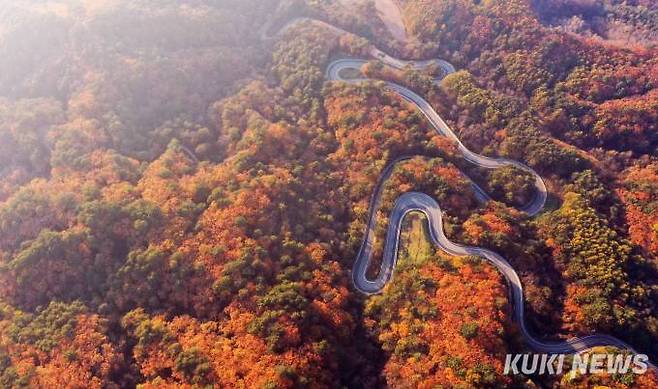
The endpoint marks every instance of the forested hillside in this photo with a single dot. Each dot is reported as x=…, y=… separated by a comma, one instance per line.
x=182, y=200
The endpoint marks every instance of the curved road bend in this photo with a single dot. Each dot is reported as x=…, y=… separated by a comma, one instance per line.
x=373, y=51
x=419, y=202
x=414, y=201
x=333, y=73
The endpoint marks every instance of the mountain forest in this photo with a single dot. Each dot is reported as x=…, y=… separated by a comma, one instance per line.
x=183, y=192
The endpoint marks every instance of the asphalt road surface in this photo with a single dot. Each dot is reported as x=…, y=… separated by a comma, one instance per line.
x=420, y=202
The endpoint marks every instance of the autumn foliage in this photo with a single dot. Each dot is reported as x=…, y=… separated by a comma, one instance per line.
x=181, y=202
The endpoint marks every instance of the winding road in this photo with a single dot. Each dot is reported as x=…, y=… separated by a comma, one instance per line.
x=420, y=202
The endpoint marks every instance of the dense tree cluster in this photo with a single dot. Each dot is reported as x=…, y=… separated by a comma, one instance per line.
x=611, y=287
x=617, y=22
x=639, y=192
x=60, y=345
x=442, y=320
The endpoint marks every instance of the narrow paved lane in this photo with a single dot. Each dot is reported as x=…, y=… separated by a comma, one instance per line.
x=419, y=202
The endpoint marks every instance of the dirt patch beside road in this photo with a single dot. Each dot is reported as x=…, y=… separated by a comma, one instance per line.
x=390, y=14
